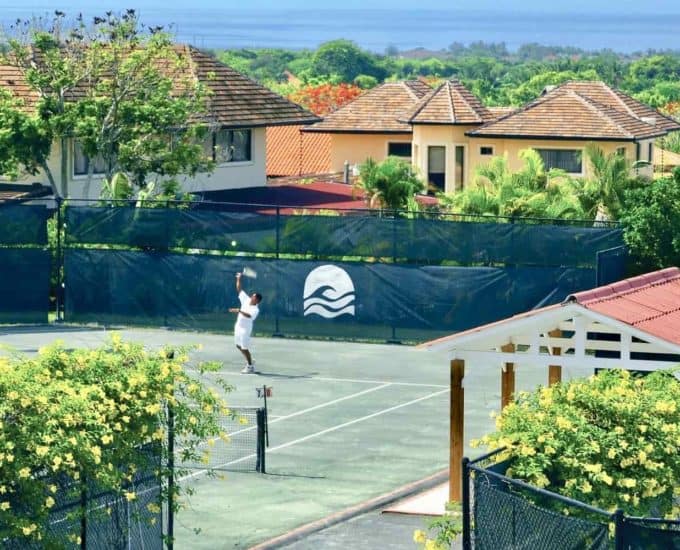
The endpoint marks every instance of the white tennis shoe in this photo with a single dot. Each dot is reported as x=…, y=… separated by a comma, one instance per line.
x=248, y=369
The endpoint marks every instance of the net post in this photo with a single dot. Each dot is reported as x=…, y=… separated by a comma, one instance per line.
x=466, y=504
x=261, y=422
x=277, y=330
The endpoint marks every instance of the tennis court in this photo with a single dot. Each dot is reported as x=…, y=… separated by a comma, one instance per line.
x=347, y=422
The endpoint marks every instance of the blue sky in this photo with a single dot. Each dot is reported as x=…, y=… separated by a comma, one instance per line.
x=649, y=7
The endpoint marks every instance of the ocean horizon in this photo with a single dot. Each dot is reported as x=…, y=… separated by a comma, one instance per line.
x=376, y=30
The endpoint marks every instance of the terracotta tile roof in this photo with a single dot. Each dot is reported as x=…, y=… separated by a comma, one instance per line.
x=650, y=302
x=234, y=99
x=376, y=111
x=450, y=103
x=498, y=112
x=293, y=153
x=237, y=100
x=581, y=110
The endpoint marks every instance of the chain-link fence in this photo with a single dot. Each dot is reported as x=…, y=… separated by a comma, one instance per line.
x=501, y=513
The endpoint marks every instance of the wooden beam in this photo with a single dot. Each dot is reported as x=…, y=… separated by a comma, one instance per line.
x=457, y=415
x=555, y=371
x=507, y=378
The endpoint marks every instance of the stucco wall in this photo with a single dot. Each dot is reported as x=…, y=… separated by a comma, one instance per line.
x=356, y=148
x=227, y=176
x=425, y=136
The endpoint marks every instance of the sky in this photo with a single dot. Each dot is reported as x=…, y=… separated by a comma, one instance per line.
x=568, y=6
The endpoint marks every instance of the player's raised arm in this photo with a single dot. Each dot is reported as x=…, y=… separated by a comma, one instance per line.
x=238, y=282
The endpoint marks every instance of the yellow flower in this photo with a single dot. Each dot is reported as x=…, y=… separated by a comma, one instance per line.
x=606, y=478
x=627, y=482
x=24, y=472
x=130, y=495
x=419, y=536
x=106, y=439
x=49, y=502
x=29, y=529
x=586, y=487
x=611, y=453
x=13, y=395
x=4, y=506
x=593, y=468
x=56, y=462
x=41, y=450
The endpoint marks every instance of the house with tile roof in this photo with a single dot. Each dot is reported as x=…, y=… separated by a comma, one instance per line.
x=370, y=126
x=238, y=112
x=454, y=133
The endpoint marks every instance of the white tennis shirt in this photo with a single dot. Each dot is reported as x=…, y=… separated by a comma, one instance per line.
x=243, y=322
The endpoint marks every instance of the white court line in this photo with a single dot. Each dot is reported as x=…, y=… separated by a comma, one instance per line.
x=310, y=409
x=322, y=432
x=329, y=379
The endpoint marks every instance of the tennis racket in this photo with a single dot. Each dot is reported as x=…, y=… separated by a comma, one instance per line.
x=249, y=272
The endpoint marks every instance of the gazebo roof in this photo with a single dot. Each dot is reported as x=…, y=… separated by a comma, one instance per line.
x=634, y=323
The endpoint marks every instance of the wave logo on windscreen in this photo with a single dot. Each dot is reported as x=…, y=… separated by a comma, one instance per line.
x=329, y=292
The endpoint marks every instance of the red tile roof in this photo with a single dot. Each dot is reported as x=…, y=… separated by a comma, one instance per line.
x=291, y=152
x=450, y=103
x=650, y=302
x=377, y=111
x=581, y=110
x=234, y=100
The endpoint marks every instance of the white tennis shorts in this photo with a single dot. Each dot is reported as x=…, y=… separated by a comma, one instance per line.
x=242, y=338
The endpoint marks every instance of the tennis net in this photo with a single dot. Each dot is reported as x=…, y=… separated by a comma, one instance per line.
x=242, y=448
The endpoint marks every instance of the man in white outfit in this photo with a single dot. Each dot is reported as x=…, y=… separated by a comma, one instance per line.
x=243, y=328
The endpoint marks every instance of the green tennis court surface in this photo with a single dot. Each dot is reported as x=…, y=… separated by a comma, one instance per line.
x=347, y=422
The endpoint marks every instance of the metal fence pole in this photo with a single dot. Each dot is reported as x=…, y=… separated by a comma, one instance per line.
x=171, y=476
x=83, y=515
x=60, y=263
x=467, y=543
x=618, y=530
x=277, y=331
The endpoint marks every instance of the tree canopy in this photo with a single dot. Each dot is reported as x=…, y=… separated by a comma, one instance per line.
x=122, y=93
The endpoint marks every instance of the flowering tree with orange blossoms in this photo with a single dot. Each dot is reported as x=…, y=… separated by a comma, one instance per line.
x=325, y=98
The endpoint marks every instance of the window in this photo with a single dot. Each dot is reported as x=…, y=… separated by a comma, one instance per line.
x=486, y=151
x=568, y=160
x=81, y=162
x=460, y=167
x=230, y=146
x=399, y=150
x=621, y=151
x=650, y=152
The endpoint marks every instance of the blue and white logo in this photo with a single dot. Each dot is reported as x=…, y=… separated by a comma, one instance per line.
x=329, y=292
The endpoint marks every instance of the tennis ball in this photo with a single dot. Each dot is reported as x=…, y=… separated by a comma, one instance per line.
x=233, y=243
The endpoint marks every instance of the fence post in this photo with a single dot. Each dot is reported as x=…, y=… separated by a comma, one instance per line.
x=83, y=514
x=618, y=530
x=171, y=476
x=467, y=543
x=59, y=266
x=277, y=331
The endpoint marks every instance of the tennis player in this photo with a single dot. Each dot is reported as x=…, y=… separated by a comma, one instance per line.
x=243, y=328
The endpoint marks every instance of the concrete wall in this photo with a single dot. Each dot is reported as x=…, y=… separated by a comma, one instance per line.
x=233, y=175
x=356, y=148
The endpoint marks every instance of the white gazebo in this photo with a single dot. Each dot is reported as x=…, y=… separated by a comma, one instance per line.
x=632, y=324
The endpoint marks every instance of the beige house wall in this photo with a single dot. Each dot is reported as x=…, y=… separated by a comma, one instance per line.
x=226, y=176
x=356, y=148
x=451, y=136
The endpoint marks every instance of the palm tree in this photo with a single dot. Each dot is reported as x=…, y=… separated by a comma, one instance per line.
x=389, y=184
x=529, y=192
x=603, y=193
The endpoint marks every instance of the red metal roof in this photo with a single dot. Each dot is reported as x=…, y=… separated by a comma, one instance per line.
x=649, y=302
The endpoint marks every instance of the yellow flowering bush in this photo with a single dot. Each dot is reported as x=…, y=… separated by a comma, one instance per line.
x=610, y=440
x=70, y=417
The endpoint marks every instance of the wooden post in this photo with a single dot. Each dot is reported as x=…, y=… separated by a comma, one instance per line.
x=555, y=371
x=507, y=378
x=456, y=430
